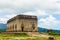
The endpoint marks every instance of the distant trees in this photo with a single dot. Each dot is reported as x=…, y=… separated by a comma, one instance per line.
x=50, y=31
x=2, y=30
x=53, y=32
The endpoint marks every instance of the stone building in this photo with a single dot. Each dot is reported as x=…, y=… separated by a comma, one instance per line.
x=22, y=23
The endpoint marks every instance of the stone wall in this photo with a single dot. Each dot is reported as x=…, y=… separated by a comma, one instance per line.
x=22, y=25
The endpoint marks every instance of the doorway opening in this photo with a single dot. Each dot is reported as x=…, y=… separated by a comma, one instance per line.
x=22, y=27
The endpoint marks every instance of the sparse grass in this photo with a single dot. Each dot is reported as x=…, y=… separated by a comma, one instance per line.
x=21, y=36
x=57, y=37
x=36, y=38
x=15, y=35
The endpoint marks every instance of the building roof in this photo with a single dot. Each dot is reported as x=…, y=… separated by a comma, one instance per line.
x=22, y=17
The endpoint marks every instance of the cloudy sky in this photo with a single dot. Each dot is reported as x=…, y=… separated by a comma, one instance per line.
x=48, y=11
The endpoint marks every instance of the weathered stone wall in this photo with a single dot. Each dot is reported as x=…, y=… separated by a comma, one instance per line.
x=16, y=25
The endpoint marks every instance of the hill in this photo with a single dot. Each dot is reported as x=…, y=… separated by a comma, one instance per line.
x=42, y=29
x=53, y=32
x=2, y=26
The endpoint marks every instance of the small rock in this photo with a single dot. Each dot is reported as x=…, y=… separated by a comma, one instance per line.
x=51, y=38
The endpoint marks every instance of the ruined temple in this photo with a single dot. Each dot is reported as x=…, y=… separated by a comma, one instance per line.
x=22, y=23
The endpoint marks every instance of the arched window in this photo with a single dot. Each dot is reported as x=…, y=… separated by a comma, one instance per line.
x=16, y=27
x=13, y=28
x=10, y=28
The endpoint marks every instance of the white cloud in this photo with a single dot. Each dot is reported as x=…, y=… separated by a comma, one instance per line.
x=6, y=18
x=37, y=13
x=28, y=7
x=49, y=22
x=41, y=13
x=11, y=14
x=3, y=20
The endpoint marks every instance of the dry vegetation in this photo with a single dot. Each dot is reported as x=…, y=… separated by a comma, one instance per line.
x=19, y=37
x=24, y=37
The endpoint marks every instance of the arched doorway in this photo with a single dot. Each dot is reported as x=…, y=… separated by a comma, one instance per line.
x=22, y=27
